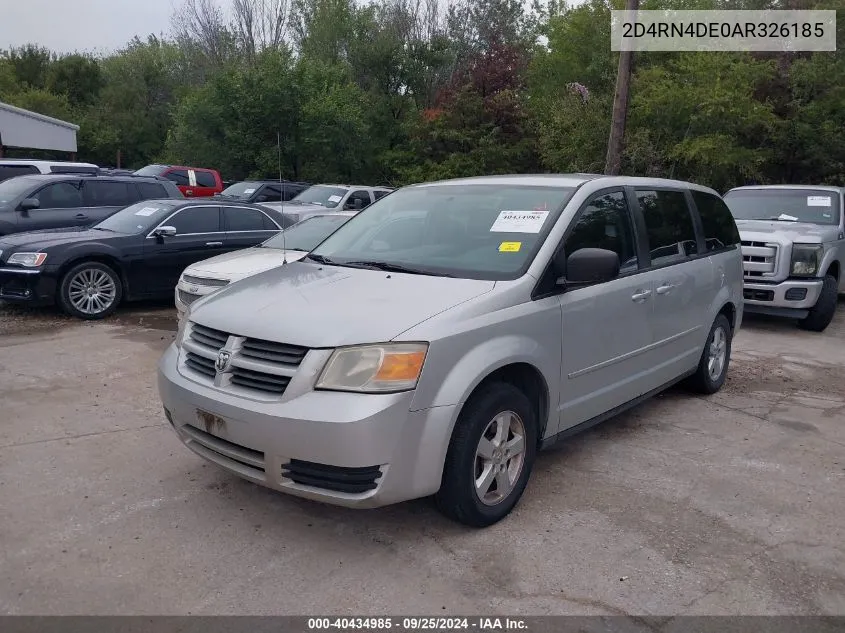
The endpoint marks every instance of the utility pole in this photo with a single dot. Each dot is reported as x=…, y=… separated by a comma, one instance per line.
x=616, y=143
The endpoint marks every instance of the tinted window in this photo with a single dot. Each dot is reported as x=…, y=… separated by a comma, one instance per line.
x=271, y=193
x=605, y=223
x=719, y=227
x=104, y=193
x=73, y=169
x=150, y=190
x=179, y=176
x=671, y=235
x=380, y=193
x=61, y=195
x=205, y=179
x=289, y=192
x=10, y=171
x=196, y=220
x=242, y=219
x=363, y=196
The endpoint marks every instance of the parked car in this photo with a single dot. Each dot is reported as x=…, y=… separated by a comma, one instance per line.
x=193, y=182
x=319, y=198
x=137, y=253
x=289, y=245
x=11, y=167
x=793, y=247
x=261, y=191
x=415, y=353
x=29, y=203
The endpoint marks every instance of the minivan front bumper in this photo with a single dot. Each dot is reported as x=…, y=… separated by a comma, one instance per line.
x=349, y=449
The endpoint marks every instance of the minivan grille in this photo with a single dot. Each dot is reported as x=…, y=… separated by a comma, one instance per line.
x=759, y=258
x=337, y=478
x=254, y=365
x=228, y=454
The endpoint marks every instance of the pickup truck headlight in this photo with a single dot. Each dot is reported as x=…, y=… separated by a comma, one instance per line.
x=30, y=260
x=374, y=368
x=805, y=259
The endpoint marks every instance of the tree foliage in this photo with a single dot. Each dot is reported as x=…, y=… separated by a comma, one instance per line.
x=400, y=91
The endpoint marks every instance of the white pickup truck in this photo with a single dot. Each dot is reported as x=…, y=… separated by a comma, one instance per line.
x=793, y=250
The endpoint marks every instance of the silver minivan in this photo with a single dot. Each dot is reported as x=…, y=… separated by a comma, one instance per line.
x=440, y=338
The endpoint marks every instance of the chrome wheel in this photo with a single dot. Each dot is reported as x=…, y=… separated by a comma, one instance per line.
x=717, y=353
x=499, y=458
x=92, y=291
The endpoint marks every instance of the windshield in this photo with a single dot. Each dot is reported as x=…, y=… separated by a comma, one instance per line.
x=328, y=197
x=137, y=218
x=816, y=206
x=151, y=170
x=305, y=235
x=470, y=231
x=241, y=190
x=14, y=187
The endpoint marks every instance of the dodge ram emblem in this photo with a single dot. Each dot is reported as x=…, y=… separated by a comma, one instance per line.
x=222, y=362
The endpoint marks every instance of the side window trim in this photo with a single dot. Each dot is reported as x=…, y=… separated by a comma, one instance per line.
x=196, y=206
x=696, y=230
x=697, y=224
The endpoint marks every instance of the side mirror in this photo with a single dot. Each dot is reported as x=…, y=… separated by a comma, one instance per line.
x=589, y=266
x=30, y=203
x=165, y=231
x=359, y=204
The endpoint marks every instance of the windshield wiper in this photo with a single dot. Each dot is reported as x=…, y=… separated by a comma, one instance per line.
x=393, y=268
x=320, y=259
x=783, y=217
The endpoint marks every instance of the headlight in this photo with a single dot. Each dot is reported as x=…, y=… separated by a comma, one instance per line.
x=27, y=259
x=805, y=259
x=374, y=368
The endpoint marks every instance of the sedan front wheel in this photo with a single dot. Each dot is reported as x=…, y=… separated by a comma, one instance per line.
x=90, y=290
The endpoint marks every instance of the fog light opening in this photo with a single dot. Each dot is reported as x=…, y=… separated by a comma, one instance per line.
x=796, y=294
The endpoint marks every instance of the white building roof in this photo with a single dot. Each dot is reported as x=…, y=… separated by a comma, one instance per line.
x=30, y=130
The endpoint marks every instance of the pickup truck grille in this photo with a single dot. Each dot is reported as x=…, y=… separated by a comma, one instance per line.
x=759, y=259
x=253, y=366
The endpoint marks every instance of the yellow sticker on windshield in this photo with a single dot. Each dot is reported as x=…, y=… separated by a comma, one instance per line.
x=509, y=247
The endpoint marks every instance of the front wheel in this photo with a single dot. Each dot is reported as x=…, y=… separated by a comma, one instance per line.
x=490, y=456
x=90, y=290
x=822, y=313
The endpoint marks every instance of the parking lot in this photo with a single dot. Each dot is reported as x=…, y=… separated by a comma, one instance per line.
x=731, y=504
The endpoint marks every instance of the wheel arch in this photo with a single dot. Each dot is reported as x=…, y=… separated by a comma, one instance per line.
x=102, y=258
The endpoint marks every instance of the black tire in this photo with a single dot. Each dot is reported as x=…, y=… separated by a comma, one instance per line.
x=702, y=381
x=822, y=313
x=94, y=270
x=457, y=497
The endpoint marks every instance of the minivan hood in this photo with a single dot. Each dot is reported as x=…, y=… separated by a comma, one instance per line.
x=243, y=263
x=791, y=232
x=328, y=306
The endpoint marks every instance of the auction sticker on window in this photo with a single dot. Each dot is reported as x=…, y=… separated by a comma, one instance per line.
x=519, y=222
x=818, y=201
x=146, y=211
x=248, y=191
x=335, y=198
x=510, y=247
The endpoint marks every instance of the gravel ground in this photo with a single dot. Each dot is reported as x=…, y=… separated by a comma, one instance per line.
x=731, y=504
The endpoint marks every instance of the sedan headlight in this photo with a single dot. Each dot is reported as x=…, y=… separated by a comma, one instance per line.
x=805, y=259
x=30, y=260
x=374, y=368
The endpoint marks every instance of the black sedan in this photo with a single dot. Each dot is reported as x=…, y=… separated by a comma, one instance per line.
x=137, y=253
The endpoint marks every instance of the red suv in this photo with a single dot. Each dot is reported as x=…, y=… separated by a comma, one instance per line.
x=193, y=182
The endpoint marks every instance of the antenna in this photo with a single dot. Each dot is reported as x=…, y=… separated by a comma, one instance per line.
x=281, y=187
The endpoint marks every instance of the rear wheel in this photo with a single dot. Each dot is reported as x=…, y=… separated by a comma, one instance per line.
x=90, y=290
x=713, y=365
x=490, y=456
x=822, y=313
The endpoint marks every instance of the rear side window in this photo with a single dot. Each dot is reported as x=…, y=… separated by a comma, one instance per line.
x=196, y=220
x=243, y=219
x=671, y=234
x=105, y=193
x=205, y=178
x=73, y=169
x=151, y=191
x=271, y=193
x=10, y=171
x=719, y=227
x=363, y=196
x=605, y=223
x=380, y=193
x=179, y=176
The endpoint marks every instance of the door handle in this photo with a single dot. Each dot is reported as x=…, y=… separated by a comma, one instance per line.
x=640, y=295
x=214, y=243
x=665, y=289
